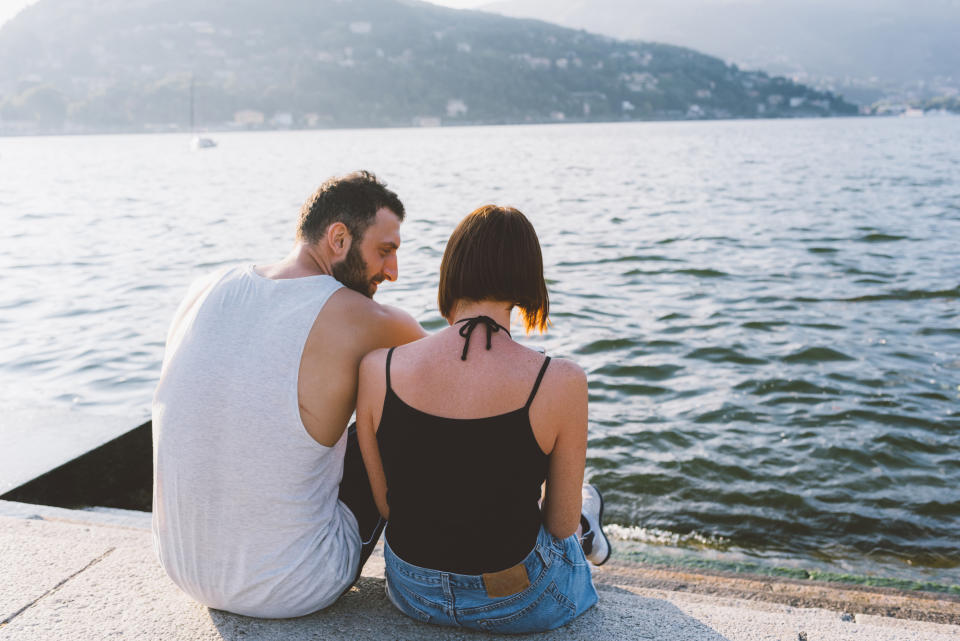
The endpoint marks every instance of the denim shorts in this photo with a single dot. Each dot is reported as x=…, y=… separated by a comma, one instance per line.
x=560, y=589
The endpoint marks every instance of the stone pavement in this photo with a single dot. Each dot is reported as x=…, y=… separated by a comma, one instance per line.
x=78, y=575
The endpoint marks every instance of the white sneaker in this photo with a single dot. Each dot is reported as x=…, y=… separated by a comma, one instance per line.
x=595, y=544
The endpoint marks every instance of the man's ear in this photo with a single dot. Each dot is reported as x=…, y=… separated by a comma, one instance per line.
x=338, y=239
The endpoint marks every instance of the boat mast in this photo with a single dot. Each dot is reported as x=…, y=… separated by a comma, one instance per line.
x=191, y=103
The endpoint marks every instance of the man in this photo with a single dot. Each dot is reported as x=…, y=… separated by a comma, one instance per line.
x=259, y=381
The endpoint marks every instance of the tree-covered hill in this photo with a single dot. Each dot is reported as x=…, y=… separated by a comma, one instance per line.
x=870, y=47
x=128, y=65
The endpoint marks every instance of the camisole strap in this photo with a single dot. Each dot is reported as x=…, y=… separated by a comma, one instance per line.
x=536, y=385
x=389, y=356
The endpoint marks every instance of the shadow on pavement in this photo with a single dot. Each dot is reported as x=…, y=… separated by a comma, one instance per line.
x=365, y=613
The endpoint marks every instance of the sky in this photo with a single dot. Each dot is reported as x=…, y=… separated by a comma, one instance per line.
x=10, y=8
x=458, y=4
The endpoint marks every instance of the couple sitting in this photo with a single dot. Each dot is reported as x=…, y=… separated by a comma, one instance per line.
x=266, y=504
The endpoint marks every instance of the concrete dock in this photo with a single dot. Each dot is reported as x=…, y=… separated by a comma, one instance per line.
x=92, y=574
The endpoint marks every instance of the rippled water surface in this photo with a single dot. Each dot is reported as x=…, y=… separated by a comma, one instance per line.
x=767, y=311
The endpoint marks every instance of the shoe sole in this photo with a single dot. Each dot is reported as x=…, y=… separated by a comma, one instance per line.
x=602, y=533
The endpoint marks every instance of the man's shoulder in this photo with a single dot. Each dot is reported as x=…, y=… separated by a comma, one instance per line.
x=381, y=325
x=208, y=280
x=202, y=285
x=358, y=309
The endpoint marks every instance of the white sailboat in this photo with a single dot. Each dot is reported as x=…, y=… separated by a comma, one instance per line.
x=202, y=142
x=198, y=141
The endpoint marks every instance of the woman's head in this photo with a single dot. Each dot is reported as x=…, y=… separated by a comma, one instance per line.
x=494, y=254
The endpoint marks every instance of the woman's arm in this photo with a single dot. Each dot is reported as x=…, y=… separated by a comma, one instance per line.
x=563, y=402
x=370, y=392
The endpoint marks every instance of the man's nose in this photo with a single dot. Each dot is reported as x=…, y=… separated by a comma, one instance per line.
x=390, y=268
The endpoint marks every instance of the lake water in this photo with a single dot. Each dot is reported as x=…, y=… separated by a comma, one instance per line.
x=767, y=310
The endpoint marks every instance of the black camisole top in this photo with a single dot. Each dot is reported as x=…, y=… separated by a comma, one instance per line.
x=463, y=493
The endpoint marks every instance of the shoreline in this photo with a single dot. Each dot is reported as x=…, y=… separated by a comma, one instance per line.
x=459, y=125
x=915, y=605
x=800, y=569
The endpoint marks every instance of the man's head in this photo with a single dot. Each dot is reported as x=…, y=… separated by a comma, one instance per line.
x=360, y=219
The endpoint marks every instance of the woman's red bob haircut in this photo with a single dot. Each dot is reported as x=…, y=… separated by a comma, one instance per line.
x=494, y=254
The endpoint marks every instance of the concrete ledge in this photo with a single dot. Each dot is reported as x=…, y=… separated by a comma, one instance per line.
x=37, y=441
x=71, y=574
x=90, y=516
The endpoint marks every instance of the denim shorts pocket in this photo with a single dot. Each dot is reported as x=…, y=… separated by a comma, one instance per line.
x=551, y=609
x=512, y=601
x=572, y=552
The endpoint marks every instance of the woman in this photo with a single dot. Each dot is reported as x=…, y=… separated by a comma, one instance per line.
x=459, y=433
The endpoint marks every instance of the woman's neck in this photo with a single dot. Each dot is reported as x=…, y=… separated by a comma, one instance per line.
x=497, y=310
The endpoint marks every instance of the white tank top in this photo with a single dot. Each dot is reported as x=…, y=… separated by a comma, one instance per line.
x=245, y=510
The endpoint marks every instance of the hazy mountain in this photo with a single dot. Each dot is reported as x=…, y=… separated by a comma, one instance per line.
x=129, y=64
x=884, y=43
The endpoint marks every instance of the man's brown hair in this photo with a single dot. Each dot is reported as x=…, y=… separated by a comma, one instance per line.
x=353, y=200
x=494, y=254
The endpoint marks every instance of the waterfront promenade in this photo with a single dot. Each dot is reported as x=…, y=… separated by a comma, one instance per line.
x=69, y=574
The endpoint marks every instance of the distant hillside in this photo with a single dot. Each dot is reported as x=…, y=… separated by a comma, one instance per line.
x=127, y=65
x=856, y=45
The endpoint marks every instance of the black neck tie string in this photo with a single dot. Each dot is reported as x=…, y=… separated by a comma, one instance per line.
x=471, y=324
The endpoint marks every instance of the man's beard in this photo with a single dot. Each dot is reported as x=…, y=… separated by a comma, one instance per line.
x=352, y=272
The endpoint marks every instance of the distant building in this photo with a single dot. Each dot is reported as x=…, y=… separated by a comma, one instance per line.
x=426, y=121
x=248, y=118
x=639, y=81
x=456, y=107
x=797, y=101
x=282, y=119
x=643, y=58
x=534, y=62
x=588, y=99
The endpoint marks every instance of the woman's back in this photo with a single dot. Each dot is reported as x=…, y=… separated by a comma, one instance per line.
x=431, y=375
x=462, y=463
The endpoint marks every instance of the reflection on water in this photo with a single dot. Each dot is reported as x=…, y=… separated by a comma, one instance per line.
x=767, y=311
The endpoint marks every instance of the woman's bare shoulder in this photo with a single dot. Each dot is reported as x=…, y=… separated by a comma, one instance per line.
x=564, y=382
x=560, y=406
x=566, y=372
